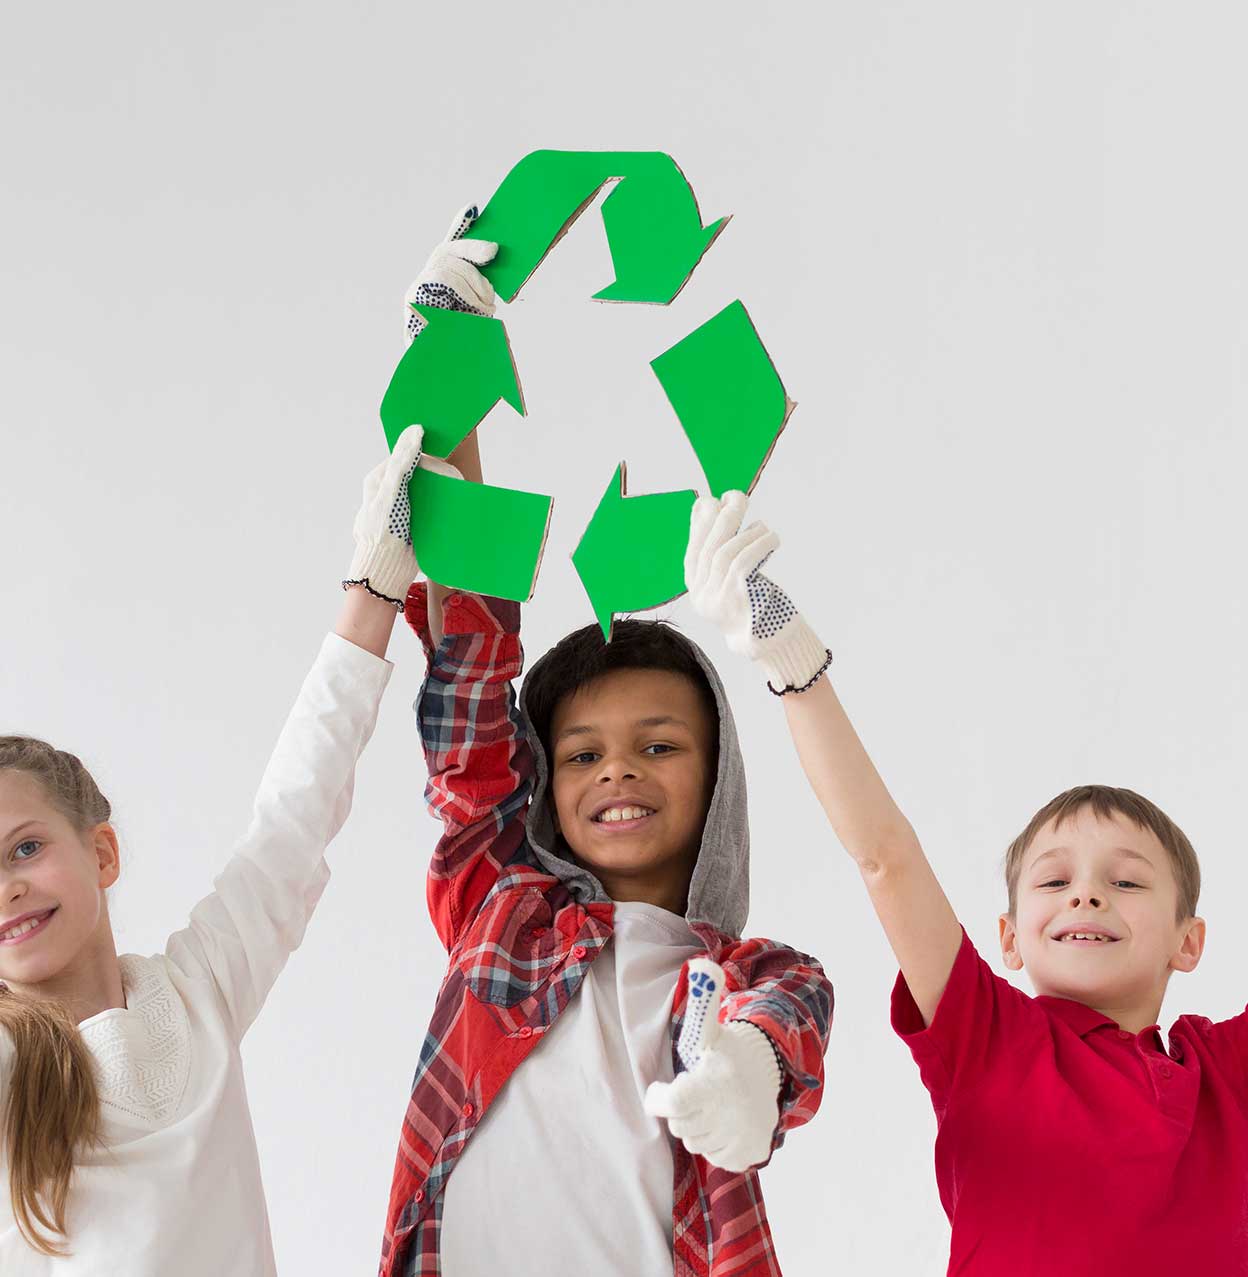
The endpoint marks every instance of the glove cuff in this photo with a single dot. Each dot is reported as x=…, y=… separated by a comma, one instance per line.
x=794, y=659
x=385, y=567
x=758, y=1049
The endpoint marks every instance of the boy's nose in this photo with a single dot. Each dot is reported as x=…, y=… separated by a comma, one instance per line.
x=1093, y=902
x=617, y=770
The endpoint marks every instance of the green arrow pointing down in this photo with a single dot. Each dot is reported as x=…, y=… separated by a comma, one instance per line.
x=458, y=368
x=654, y=229
x=631, y=556
x=728, y=396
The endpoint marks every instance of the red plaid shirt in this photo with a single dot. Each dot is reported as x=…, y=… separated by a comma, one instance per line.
x=520, y=946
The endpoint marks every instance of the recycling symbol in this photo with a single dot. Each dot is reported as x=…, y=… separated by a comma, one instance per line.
x=718, y=379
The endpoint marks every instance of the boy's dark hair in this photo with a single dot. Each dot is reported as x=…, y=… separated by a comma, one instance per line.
x=1107, y=801
x=583, y=656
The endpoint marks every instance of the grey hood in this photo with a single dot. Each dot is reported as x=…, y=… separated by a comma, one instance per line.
x=719, y=892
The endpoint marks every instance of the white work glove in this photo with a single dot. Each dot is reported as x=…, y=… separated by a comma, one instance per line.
x=726, y=1104
x=384, y=562
x=450, y=279
x=723, y=573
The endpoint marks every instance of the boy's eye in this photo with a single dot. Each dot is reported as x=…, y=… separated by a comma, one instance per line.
x=31, y=843
x=667, y=749
x=1126, y=882
x=1054, y=882
x=585, y=756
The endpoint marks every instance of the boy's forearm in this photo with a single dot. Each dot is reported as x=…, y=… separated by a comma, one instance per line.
x=862, y=811
x=922, y=929
x=467, y=459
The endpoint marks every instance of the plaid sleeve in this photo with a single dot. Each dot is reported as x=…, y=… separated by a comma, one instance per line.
x=479, y=760
x=787, y=995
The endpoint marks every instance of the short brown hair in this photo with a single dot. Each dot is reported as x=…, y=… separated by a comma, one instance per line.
x=1106, y=801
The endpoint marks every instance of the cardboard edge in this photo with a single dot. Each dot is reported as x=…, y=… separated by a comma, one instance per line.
x=567, y=226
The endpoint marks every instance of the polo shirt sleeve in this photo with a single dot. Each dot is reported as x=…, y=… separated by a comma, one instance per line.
x=978, y=1016
x=1227, y=1041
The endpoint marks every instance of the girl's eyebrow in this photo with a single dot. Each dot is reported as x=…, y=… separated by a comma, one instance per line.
x=18, y=829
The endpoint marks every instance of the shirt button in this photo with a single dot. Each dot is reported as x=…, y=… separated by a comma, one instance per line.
x=538, y=931
x=420, y=1195
x=1165, y=1070
x=467, y=1110
x=454, y=600
x=1123, y=1034
x=526, y=1031
x=579, y=952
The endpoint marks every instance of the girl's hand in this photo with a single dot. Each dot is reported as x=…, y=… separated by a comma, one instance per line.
x=384, y=562
x=451, y=279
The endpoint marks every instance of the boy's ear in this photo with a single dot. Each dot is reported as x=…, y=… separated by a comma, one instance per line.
x=1191, y=946
x=1009, y=943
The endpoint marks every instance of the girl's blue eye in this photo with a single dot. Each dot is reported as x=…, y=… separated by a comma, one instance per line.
x=30, y=842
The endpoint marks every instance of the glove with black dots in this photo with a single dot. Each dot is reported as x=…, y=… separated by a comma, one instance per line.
x=723, y=573
x=450, y=279
x=384, y=562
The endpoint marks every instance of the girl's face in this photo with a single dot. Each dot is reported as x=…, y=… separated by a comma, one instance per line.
x=52, y=885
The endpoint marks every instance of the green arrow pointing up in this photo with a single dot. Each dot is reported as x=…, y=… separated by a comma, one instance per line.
x=631, y=556
x=453, y=373
x=728, y=396
x=654, y=230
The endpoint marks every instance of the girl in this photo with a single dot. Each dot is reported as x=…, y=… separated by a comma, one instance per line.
x=127, y=1144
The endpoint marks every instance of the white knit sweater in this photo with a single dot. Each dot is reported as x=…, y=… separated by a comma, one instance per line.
x=175, y=1189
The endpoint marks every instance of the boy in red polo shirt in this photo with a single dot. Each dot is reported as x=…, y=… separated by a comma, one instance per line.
x=1071, y=1137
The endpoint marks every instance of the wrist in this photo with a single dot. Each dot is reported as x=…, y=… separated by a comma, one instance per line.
x=793, y=659
x=759, y=1052
x=386, y=567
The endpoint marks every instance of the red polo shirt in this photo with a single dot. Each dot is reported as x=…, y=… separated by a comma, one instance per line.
x=1066, y=1145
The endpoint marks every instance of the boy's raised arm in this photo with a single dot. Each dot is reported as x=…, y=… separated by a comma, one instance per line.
x=726, y=584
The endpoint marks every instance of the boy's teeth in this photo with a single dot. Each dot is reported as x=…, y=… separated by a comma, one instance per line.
x=21, y=929
x=625, y=813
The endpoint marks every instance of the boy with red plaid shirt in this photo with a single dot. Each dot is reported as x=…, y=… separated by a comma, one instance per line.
x=1071, y=1138
x=594, y=853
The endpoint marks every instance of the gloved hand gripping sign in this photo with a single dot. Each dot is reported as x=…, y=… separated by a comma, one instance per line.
x=719, y=380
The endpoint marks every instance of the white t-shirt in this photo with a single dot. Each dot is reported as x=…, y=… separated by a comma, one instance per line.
x=174, y=1190
x=567, y=1163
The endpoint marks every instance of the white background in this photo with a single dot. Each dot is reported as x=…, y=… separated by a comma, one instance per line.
x=996, y=251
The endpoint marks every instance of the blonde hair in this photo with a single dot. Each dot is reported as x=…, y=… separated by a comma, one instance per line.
x=1107, y=801
x=52, y=1108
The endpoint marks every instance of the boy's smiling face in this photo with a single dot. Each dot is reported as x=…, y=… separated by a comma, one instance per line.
x=1097, y=920
x=632, y=773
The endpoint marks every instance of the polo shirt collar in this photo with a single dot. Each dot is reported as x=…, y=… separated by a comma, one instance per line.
x=1079, y=1017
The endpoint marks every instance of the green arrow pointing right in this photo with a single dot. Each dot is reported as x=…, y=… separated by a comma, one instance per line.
x=654, y=229
x=631, y=557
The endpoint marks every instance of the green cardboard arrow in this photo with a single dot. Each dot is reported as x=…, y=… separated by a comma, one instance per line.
x=654, y=229
x=451, y=376
x=631, y=556
x=728, y=396
x=477, y=538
